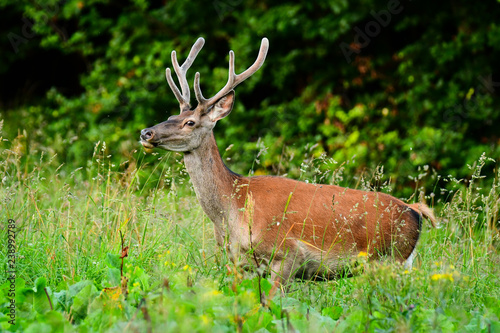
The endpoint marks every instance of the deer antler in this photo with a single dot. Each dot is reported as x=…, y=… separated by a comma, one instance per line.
x=181, y=75
x=233, y=79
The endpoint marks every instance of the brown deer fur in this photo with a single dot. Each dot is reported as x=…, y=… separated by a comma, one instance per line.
x=297, y=229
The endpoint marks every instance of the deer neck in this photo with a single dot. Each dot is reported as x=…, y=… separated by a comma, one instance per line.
x=213, y=182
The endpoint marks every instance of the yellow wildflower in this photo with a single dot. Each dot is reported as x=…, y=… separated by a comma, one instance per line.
x=214, y=293
x=113, y=293
x=447, y=276
x=205, y=319
x=362, y=254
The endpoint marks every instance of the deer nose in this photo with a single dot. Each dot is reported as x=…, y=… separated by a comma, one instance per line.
x=147, y=134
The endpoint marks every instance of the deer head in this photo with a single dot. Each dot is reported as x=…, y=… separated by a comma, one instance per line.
x=185, y=132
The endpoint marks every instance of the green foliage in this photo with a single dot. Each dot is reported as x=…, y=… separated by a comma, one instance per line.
x=176, y=279
x=413, y=92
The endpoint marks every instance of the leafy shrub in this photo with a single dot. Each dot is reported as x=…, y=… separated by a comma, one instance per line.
x=415, y=91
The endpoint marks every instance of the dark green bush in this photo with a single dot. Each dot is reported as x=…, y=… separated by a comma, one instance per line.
x=367, y=83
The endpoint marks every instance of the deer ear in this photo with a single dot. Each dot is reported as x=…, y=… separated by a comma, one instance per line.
x=222, y=107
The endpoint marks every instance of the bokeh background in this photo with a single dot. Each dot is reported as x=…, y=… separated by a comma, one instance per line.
x=413, y=86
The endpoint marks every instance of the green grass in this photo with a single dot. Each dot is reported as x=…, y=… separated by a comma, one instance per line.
x=69, y=228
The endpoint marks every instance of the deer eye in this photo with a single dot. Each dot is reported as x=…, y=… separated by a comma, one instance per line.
x=190, y=123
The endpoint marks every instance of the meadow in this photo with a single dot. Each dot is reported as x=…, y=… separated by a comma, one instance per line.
x=109, y=246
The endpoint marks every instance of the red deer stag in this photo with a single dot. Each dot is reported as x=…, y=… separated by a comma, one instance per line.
x=295, y=228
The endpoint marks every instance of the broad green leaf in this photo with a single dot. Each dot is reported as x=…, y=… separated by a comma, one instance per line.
x=82, y=300
x=333, y=312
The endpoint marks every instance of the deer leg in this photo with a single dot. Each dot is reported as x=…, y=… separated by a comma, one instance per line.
x=282, y=271
x=409, y=262
x=280, y=275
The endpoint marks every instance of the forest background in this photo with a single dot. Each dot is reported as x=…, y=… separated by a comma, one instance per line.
x=362, y=84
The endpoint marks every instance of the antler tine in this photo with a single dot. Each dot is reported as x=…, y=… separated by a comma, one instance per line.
x=181, y=74
x=175, y=90
x=233, y=79
x=197, y=90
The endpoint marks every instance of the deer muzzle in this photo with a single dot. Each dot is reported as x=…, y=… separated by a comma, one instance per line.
x=147, y=137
